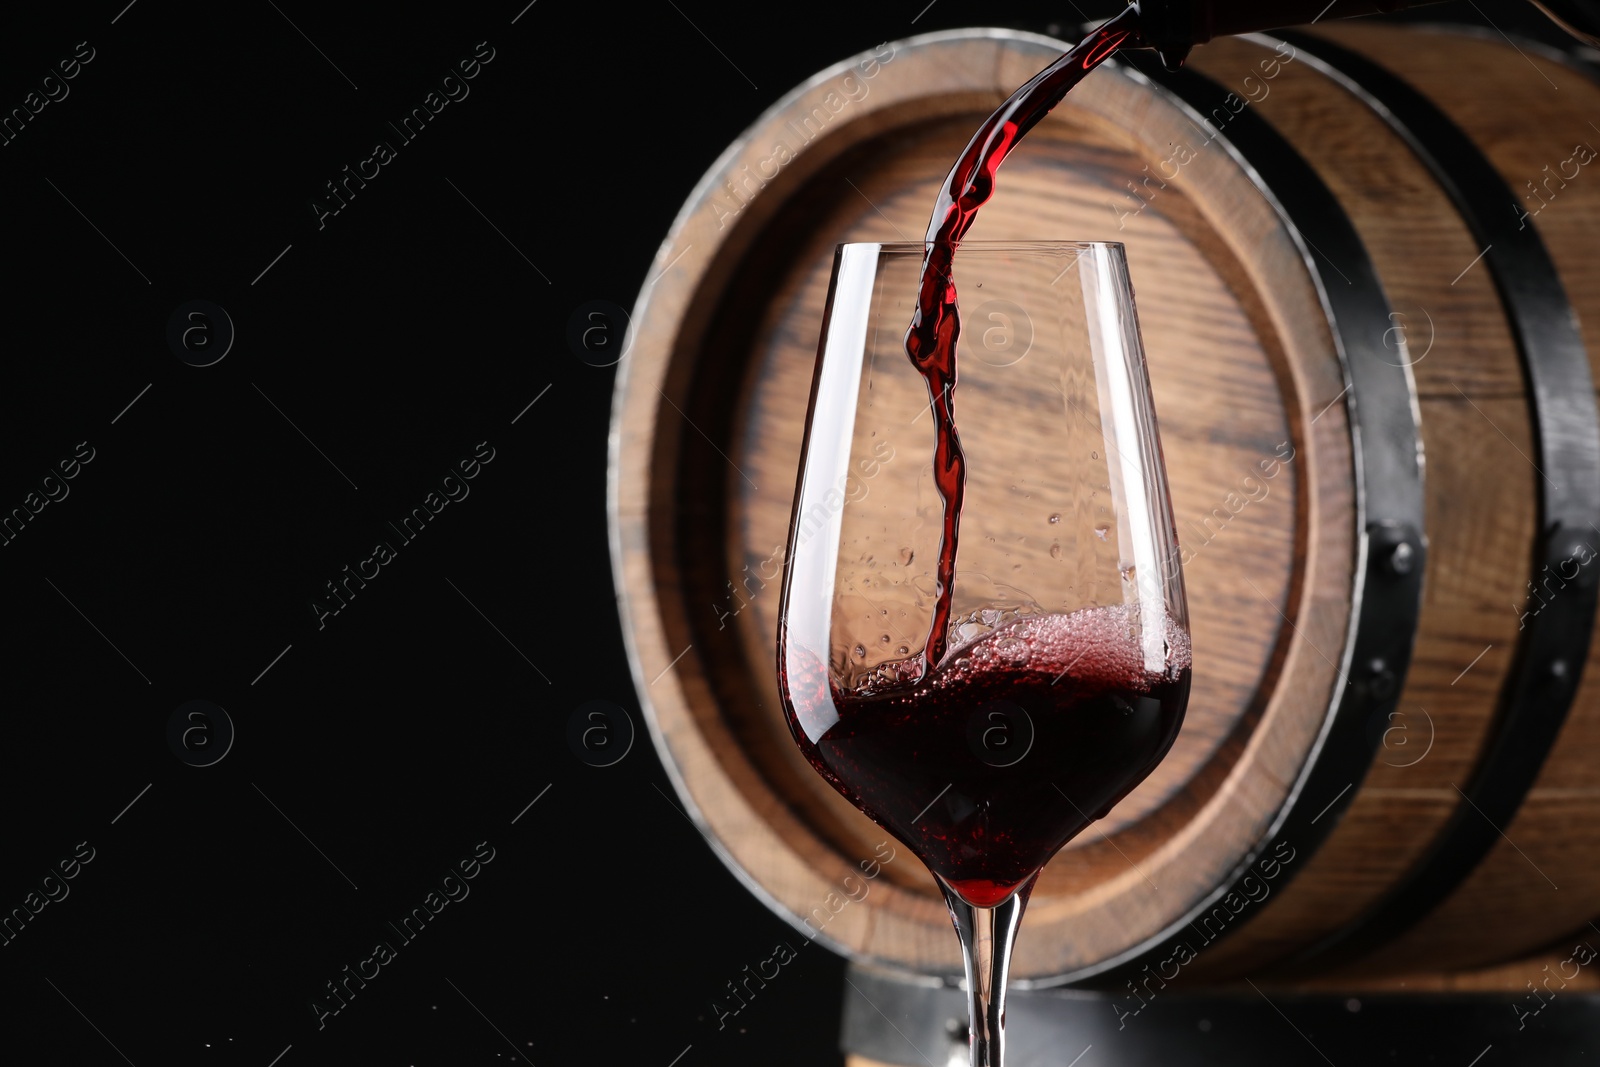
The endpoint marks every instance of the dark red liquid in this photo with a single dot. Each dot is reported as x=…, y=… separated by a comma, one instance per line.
x=993, y=761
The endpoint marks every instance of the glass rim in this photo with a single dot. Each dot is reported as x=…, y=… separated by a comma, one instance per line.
x=987, y=246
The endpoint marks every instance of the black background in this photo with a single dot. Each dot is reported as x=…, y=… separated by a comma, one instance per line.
x=378, y=351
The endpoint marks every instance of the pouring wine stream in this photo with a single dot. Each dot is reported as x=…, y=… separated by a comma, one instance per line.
x=936, y=323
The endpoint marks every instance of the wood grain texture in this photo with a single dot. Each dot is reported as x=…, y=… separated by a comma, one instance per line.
x=1541, y=882
x=707, y=427
x=1480, y=496
x=1241, y=362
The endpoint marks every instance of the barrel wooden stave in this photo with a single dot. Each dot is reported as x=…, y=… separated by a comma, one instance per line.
x=1480, y=494
x=729, y=726
x=1511, y=901
x=729, y=336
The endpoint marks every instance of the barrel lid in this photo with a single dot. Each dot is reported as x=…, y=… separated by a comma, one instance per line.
x=706, y=429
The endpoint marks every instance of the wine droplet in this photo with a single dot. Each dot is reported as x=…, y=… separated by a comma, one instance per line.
x=1102, y=531
x=903, y=650
x=1128, y=572
x=1055, y=550
x=884, y=639
x=861, y=652
x=906, y=556
x=1055, y=517
x=1094, y=455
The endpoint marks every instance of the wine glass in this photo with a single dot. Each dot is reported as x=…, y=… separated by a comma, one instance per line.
x=984, y=645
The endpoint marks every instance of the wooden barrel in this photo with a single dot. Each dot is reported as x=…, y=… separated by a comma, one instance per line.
x=1365, y=263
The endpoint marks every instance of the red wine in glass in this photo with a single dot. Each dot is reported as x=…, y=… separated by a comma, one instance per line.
x=1026, y=736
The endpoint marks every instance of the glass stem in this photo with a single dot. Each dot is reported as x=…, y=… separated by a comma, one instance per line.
x=987, y=935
